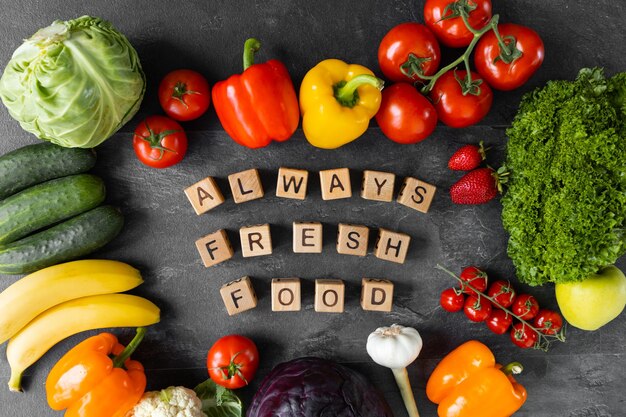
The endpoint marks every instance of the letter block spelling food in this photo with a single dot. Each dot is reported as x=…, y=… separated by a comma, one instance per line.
x=376, y=294
x=286, y=294
x=255, y=240
x=378, y=185
x=392, y=246
x=307, y=237
x=214, y=248
x=335, y=184
x=329, y=295
x=292, y=183
x=204, y=195
x=246, y=186
x=352, y=239
x=238, y=296
x=416, y=194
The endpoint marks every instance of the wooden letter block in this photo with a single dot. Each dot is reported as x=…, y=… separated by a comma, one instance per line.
x=335, y=184
x=378, y=185
x=204, y=195
x=292, y=183
x=392, y=246
x=376, y=294
x=238, y=296
x=329, y=295
x=286, y=295
x=255, y=240
x=416, y=194
x=214, y=248
x=307, y=237
x=246, y=186
x=352, y=239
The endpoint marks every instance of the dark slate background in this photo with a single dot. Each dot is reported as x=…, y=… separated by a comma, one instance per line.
x=582, y=378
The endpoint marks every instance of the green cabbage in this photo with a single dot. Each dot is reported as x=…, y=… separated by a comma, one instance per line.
x=74, y=83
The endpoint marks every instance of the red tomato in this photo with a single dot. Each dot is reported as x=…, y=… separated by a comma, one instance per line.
x=502, y=292
x=525, y=307
x=499, y=321
x=477, y=309
x=232, y=361
x=405, y=39
x=405, y=116
x=474, y=277
x=452, y=300
x=184, y=95
x=497, y=72
x=452, y=32
x=548, y=322
x=456, y=109
x=159, y=142
x=523, y=335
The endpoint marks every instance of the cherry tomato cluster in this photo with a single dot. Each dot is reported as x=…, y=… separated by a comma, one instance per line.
x=505, y=57
x=498, y=305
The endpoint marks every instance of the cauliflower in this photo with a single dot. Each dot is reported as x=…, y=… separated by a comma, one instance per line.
x=170, y=402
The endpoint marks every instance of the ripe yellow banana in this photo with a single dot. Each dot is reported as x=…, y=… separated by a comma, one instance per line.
x=37, y=292
x=71, y=317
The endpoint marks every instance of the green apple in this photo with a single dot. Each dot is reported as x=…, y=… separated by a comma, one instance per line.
x=592, y=303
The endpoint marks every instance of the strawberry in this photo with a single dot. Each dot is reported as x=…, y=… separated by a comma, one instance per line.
x=467, y=157
x=478, y=186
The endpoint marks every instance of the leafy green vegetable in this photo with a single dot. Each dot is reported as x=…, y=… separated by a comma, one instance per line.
x=565, y=208
x=74, y=83
x=218, y=401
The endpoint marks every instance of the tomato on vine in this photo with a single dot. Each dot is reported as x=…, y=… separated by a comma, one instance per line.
x=548, y=322
x=159, y=142
x=499, y=321
x=476, y=278
x=476, y=308
x=452, y=300
x=444, y=18
x=184, y=95
x=525, y=306
x=502, y=292
x=523, y=336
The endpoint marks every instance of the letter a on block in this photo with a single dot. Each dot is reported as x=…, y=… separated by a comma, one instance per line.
x=204, y=195
x=335, y=184
x=292, y=183
x=376, y=294
x=238, y=296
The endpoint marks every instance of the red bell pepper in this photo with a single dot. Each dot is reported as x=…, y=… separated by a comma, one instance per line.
x=259, y=105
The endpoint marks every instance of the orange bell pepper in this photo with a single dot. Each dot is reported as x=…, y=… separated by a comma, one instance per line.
x=469, y=383
x=89, y=383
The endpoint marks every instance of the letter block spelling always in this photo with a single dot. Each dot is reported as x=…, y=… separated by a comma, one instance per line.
x=352, y=239
x=376, y=294
x=335, y=184
x=378, y=185
x=392, y=246
x=307, y=237
x=214, y=248
x=245, y=186
x=292, y=183
x=238, y=296
x=286, y=294
x=255, y=240
x=204, y=195
x=329, y=295
x=416, y=194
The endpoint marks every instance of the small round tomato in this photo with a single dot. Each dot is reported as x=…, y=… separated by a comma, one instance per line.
x=477, y=309
x=523, y=335
x=405, y=116
x=184, y=95
x=159, y=142
x=232, y=361
x=461, y=106
x=452, y=31
x=452, y=300
x=476, y=278
x=548, y=322
x=502, y=292
x=525, y=307
x=507, y=72
x=499, y=321
x=405, y=46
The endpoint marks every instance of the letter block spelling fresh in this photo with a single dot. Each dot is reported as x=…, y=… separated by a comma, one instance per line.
x=246, y=186
x=416, y=194
x=352, y=239
x=392, y=246
x=335, y=184
x=255, y=240
x=286, y=294
x=238, y=296
x=214, y=248
x=204, y=195
x=376, y=294
x=329, y=295
x=378, y=185
x=307, y=237
x=292, y=183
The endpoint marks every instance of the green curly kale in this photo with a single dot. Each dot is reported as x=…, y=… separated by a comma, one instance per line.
x=565, y=208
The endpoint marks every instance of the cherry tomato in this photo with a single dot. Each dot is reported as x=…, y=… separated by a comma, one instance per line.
x=499, y=321
x=548, y=322
x=523, y=335
x=477, y=309
x=184, y=95
x=452, y=32
x=402, y=40
x=496, y=71
x=456, y=109
x=452, y=300
x=502, y=292
x=525, y=307
x=232, y=361
x=405, y=116
x=159, y=142
x=474, y=277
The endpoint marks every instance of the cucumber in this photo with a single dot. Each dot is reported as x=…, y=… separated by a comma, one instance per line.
x=69, y=240
x=34, y=164
x=48, y=203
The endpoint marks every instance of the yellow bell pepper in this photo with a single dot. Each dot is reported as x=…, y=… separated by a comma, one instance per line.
x=337, y=101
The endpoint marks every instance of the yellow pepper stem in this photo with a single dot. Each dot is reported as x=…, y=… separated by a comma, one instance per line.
x=346, y=94
x=402, y=379
x=119, y=360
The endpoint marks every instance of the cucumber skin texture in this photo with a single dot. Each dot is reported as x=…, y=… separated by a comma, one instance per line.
x=34, y=164
x=69, y=240
x=48, y=203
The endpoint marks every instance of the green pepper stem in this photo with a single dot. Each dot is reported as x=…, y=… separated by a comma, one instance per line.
x=118, y=361
x=402, y=379
x=346, y=94
x=514, y=368
x=251, y=46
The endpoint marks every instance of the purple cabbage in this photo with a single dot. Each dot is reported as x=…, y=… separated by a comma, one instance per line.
x=313, y=387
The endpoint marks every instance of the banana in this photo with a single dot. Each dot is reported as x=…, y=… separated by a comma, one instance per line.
x=37, y=292
x=71, y=317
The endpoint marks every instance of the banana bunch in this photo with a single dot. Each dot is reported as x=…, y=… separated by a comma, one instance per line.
x=54, y=303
